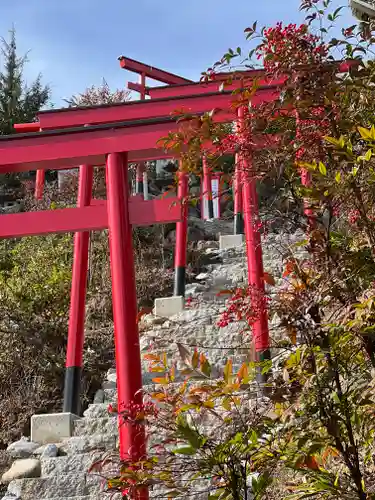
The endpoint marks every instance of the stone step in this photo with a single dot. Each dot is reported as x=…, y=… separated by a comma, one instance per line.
x=96, y=411
x=93, y=497
x=89, y=443
x=69, y=464
x=90, y=426
x=68, y=485
x=98, y=496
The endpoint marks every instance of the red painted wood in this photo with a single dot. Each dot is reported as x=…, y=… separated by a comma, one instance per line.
x=151, y=72
x=71, y=149
x=124, y=299
x=207, y=87
x=182, y=226
x=253, y=246
x=26, y=127
x=39, y=184
x=150, y=108
x=76, y=329
x=92, y=218
x=137, y=87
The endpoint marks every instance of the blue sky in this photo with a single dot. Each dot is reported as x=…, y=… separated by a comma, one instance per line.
x=75, y=43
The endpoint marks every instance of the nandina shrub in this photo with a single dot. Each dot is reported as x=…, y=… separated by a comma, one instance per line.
x=318, y=430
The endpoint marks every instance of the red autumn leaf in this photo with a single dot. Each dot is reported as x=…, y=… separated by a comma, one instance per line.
x=142, y=312
x=225, y=292
x=151, y=357
x=269, y=279
x=311, y=463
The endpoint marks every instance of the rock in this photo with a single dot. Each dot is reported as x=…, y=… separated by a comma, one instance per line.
x=47, y=450
x=151, y=319
x=85, y=444
x=22, y=448
x=50, y=451
x=207, y=245
x=111, y=375
x=9, y=496
x=202, y=276
x=24, y=468
x=99, y=396
x=109, y=384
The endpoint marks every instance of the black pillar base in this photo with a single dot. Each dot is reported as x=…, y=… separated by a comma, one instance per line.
x=210, y=209
x=179, y=281
x=262, y=356
x=139, y=187
x=238, y=224
x=72, y=390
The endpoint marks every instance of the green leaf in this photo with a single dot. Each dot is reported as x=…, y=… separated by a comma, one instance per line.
x=336, y=13
x=206, y=368
x=336, y=398
x=338, y=177
x=172, y=494
x=186, y=450
x=322, y=168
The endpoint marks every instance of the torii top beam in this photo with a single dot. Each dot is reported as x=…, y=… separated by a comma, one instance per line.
x=68, y=148
x=151, y=108
x=151, y=72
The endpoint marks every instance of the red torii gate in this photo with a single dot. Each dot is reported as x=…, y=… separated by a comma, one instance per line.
x=118, y=214
x=145, y=71
x=96, y=136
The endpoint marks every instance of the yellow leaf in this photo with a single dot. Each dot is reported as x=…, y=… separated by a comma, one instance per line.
x=228, y=370
x=322, y=168
x=365, y=133
x=338, y=177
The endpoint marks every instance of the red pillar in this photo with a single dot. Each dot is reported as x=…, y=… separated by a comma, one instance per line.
x=207, y=189
x=254, y=256
x=181, y=236
x=128, y=358
x=76, y=329
x=39, y=184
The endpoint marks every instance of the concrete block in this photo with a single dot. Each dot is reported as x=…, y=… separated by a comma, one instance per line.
x=231, y=241
x=169, y=306
x=52, y=427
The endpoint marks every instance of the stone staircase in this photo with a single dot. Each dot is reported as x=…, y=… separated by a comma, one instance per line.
x=62, y=470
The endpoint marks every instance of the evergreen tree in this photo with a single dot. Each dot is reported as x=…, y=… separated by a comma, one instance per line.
x=19, y=102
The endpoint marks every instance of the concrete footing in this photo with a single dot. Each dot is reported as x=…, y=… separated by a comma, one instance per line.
x=168, y=306
x=52, y=427
x=231, y=241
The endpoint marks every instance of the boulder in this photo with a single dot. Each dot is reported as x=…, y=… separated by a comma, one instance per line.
x=24, y=468
x=22, y=448
x=47, y=451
